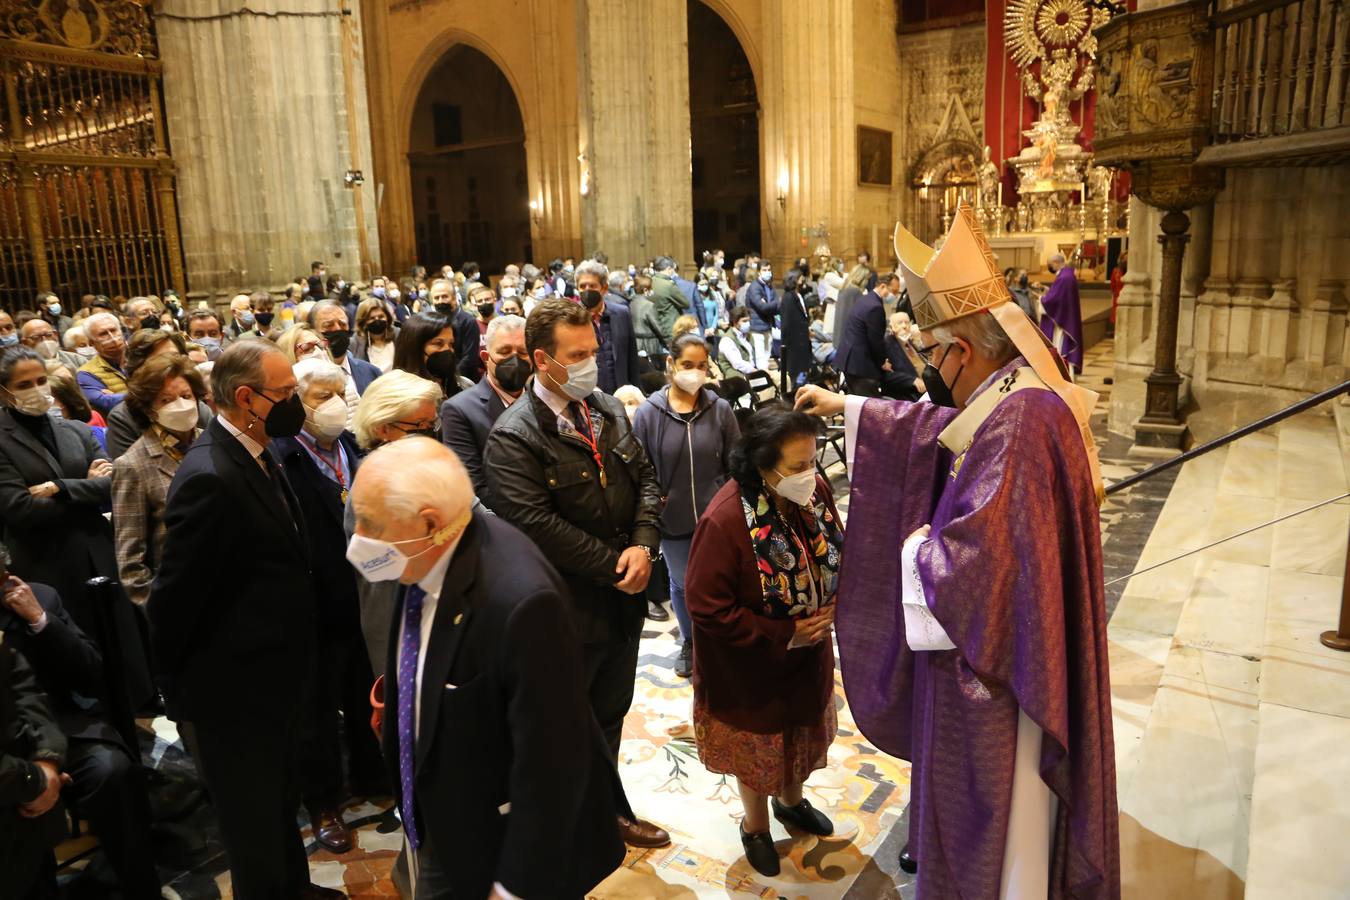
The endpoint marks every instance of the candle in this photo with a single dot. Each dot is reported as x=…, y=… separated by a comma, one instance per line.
x=1000, y=195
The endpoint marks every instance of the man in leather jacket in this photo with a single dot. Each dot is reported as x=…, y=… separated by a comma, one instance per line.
x=564, y=467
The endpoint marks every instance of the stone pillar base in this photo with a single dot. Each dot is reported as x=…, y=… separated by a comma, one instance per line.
x=1159, y=440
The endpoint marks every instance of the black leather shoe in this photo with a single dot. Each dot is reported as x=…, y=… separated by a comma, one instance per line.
x=761, y=853
x=684, y=666
x=909, y=863
x=657, y=613
x=803, y=816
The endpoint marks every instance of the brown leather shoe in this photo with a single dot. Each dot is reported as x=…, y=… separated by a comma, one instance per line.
x=637, y=833
x=331, y=832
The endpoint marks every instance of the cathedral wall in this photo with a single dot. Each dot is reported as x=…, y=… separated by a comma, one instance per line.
x=1263, y=311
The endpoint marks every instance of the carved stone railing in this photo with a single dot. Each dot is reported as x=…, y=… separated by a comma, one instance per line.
x=1280, y=67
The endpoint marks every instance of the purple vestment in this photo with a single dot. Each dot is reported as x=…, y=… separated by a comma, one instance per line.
x=1013, y=574
x=1063, y=308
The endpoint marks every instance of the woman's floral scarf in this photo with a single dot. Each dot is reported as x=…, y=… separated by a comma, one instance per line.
x=785, y=572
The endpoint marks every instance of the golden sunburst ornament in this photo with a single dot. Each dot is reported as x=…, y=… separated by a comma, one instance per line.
x=1062, y=22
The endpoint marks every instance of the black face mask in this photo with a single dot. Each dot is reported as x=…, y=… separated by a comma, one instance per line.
x=445, y=309
x=286, y=417
x=486, y=309
x=1023, y=281
x=338, y=342
x=377, y=326
x=512, y=373
x=938, y=390
x=590, y=299
x=263, y=319
x=150, y=322
x=442, y=363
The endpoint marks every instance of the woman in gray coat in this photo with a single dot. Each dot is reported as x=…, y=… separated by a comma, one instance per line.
x=688, y=432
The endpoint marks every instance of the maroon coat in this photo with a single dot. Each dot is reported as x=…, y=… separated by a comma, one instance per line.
x=744, y=672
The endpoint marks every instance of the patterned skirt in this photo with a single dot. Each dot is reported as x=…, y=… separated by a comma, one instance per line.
x=765, y=763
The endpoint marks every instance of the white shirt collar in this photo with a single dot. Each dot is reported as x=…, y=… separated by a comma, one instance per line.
x=551, y=400
x=346, y=364
x=432, y=582
x=254, y=448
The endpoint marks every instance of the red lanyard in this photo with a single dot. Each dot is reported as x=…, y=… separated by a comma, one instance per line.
x=336, y=470
x=589, y=440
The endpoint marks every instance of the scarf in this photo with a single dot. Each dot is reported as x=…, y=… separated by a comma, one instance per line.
x=788, y=566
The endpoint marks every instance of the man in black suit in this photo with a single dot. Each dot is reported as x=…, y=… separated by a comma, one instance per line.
x=108, y=785
x=236, y=653
x=481, y=645
x=618, y=356
x=467, y=417
x=862, y=352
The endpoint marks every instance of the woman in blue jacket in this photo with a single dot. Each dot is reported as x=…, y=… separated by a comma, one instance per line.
x=688, y=432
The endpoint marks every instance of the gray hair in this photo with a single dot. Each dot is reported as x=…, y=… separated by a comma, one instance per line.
x=319, y=307
x=529, y=272
x=1057, y=259
x=617, y=278
x=662, y=263
x=68, y=339
x=99, y=317
x=591, y=267
x=982, y=332
x=241, y=365
x=319, y=371
x=500, y=324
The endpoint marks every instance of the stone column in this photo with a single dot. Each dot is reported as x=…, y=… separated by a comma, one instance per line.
x=1162, y=426
x=633, y=136
x=257, y=104
x=807, y=137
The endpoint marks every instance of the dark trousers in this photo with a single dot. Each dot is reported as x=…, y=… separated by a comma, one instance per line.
x=250, y=760
x=862, y=386
x=341, y=688
x=109, y=791
x=610, y=671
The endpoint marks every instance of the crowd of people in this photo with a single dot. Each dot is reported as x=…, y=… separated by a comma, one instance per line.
x=441, y=499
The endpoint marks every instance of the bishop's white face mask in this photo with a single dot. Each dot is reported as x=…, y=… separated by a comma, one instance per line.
x=328, y=419
x=379, y=560
x=799, y=488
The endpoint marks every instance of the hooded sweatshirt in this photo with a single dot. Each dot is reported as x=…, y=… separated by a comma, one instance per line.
x=691, y=458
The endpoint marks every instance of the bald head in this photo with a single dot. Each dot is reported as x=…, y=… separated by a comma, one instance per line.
x=416, y=494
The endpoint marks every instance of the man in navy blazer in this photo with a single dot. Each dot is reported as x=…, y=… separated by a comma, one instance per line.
x=617, y=358
x=467, y=417
x=503, y=780
x=235, y=650
x=329, y=318
x=862, y=351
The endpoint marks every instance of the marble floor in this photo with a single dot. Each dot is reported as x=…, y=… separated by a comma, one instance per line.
x=1231, y=720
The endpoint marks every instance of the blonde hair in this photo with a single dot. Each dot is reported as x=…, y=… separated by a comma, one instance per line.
x=292, y=336
x=684, y=325
x=391, y=397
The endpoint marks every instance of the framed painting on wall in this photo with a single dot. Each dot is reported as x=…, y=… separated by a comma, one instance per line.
x=874, y=156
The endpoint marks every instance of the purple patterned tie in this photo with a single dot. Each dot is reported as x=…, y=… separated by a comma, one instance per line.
x=407, y=704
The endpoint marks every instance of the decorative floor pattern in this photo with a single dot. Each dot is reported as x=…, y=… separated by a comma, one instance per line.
x=864, y=792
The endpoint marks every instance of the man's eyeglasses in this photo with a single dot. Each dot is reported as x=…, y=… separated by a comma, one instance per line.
x=415, y=427
x=926, y=353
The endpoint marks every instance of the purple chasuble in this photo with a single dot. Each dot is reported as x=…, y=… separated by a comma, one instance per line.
x=1064, y=309
x=1013, y=574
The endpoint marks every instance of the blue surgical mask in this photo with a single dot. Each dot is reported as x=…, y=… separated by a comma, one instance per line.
x=766, y=276
x=378, y=292
x=9, y=340
x=54, y=309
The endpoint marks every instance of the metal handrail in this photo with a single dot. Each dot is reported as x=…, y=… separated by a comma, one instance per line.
x=1302, y=405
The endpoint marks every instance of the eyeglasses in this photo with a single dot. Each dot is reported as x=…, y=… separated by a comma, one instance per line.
x=926, y=353
x=286, y=393
x=414, y=427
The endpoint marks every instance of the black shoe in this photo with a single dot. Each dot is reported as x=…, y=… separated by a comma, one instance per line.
x=761, y=853
x=803, y=816
x=684, y=666
x=657, y=613
x=909, y=864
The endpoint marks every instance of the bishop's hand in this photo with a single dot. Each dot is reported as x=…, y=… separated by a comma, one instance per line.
x=816, y=401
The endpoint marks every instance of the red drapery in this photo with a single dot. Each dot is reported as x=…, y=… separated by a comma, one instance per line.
x=1008, y=111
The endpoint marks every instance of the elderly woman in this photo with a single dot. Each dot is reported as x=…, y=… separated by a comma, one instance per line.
x=303, y=342
x=124, y=426
x=396, y=405
x=320, y=463
x=760, y=590
x=166, y=391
